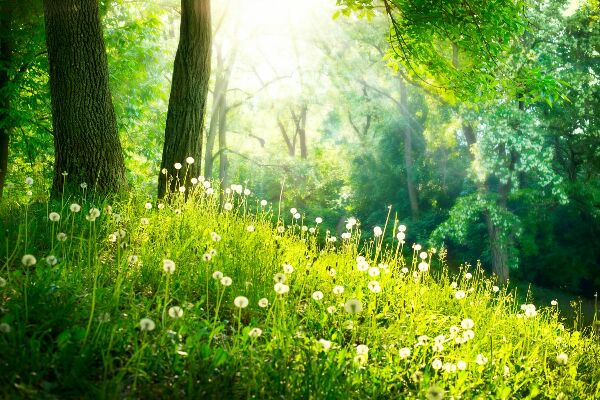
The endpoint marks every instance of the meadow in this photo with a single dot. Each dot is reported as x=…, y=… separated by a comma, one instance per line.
x=219, y=294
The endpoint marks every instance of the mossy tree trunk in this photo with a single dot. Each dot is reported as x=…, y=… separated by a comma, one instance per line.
x=86, y=141
x=187, y=101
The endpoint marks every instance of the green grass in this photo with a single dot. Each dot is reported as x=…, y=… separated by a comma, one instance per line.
x=74, y=329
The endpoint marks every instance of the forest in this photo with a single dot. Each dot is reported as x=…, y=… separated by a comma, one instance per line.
x=320, y=199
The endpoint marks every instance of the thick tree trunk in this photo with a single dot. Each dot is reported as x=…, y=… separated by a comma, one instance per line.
x=86, y=141
x=5, y=61
x=187, y=101
x=408, y=151
x=301, y=127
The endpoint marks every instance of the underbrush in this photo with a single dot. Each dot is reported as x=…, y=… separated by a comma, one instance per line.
x=206, y=298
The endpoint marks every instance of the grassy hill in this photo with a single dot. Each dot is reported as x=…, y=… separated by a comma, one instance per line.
x=138, y=299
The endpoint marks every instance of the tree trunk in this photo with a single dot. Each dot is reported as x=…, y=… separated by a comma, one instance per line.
x=86, y=141
x=223, y=159
x=301, y=126
x=498, y=246
x=187, y=101
x=408, y=151
x=5, y=61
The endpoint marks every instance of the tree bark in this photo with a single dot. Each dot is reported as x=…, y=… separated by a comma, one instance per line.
x=408, y=151
x=86, y=141
x=5, y=61
x=223, y=159
x=300, y=121
x=187, y=101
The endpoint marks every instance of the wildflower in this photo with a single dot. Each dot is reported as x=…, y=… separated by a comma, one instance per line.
x=529, y=310
x=168, y=266
x=263, y=203
x=402, y=228
x=293, y=211
x=29, y=181
x=175, y=312
x=436, y=363
x=318, y=295
x=362, y=265
x=83, y=185
x=404, y=270
x=423, y=255
x=279, y=277
x=461, y=365
x=250, y=228
x=562, y=359
x=280, y=229
x=5, y=328
x=348, y=325
x=144, y=221
x=325, y=343
x=495, y=289
x=146, y=324
x=506, y=370
x=312, y=230
x=554, y=303
x=297, y=216
x=206, y=184
x=374, y=286
x=148, y=206
x=226, y=281
x=374, y=271
x=423, y=266
x=194, y=181
x=435, y=393
x=454, y=285
x=94, y=213
x=331, y=309
x=217, y=275
x=361, y=359
x=215, y=236
x=422, y=340
x=29, y=193
x=2, y=282
x=468, y=335
x=417, y=247
x=377, y=231
x=51, y=260
x=75, y=208
x=332, y=239
x=177, y=166
x=28, y=260
x=61, y=236
x=362, y=349
x=437, y=347
x=401, y=236
x=353, y=306
x=460, y=294
x=338, y=289
x=318, y=220
x=404, y=353
x=164, y=171
x=263, y=303
x=247, y=192
x=206, y=257
x=481, y=359
x=189, y=160
x=182, y=189
x=287, y=268
x=449, y=367
x=281, y=288
x=241, y=302
x=132, y=259
x=468, y=275
x=255, y=332
x=467, y=323
x=332, y=272
x=346, y=235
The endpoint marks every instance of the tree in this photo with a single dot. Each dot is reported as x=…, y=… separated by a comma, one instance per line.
x=187, y=101
x=86, y=140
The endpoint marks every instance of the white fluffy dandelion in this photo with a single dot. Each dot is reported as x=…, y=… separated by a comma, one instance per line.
x=263, y=303
x=318, y=295
x=467, y=323
x=168, y=266
x=226, y=281
x=353, y=306
x=481, y=359
x=255, y=332
x=287, y=268
x=146, y=324
x=217, y=275
x=28, y=260
x=189, y=160
x=404, y=353
x=377, y=231
x=175, y=312
x=281, y=288
x=241, y=302
x=61, y=236
x=75, y=208
x=337, y=290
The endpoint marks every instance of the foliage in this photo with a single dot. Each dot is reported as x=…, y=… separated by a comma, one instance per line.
x=77, y=324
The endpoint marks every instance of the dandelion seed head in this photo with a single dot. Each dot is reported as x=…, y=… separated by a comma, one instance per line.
x=263, y=203
x=189, y=160
x=353, y=306
x=177, y=166
x=148, y=206
x=217, y=275
x=28, y=260
x=337, y=290
x=263, y=303
x=255, y=332
x=318, y=220
x=461, y=365
x=562, y=359
x=404, y=353
x=240, y=302
x=288, y=268
x=377, y=231
x=226, y=281
x=75, y=208
x=281, y=288
x=146, y=324
x=5, y=328
x=318, y=295
x=168, y=266
x=175, y=312
x=423, y=266
x=51, y=260
x=480, y=359
x=467, y=323
x=326, y=344
x=460, y=294
x=61, y=236
x=436, y=364
x=250, y=228
x=374, y=271
x=331, y=309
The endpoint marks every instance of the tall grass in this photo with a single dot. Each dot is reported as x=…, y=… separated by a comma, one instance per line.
x=148, y=300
